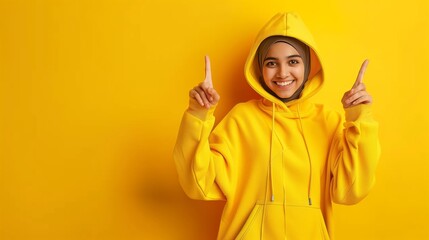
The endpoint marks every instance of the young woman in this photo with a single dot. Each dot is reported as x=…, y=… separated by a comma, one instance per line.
x=281, y=161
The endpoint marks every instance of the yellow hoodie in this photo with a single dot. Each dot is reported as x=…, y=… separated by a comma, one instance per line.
x=279, y=166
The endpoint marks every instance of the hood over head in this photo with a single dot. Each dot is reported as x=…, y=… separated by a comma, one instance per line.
x=288, y=28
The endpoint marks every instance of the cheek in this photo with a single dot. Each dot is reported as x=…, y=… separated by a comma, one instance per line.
x=299, y=72
x=267, y=74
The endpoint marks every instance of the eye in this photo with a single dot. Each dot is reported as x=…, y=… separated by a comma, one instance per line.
x=293, y=61
x=270, y=64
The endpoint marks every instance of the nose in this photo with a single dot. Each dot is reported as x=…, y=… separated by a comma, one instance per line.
x=283, y=71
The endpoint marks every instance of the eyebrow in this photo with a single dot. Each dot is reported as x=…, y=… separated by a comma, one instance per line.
x=273, y=58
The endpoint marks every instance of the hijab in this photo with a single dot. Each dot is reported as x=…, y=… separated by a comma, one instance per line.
x=303, y=51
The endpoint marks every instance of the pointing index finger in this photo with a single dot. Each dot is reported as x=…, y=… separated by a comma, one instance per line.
x=208, y=78
x=362, y=70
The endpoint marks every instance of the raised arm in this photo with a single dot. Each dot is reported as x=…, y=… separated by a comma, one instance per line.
x=201, y=167
x=355, y=151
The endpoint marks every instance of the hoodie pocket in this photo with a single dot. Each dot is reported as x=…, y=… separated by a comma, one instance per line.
x=294, y=222
x=250, y=228
x=304, y=222
x=264, y=224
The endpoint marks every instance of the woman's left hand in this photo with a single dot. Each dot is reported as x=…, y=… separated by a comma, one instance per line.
x=358, y=94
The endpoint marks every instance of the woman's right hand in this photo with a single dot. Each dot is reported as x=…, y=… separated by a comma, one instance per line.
x=204, y=93
x=358, y=94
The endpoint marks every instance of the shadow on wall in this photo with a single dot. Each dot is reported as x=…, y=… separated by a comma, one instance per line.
x=234, y=88
x=153, y=203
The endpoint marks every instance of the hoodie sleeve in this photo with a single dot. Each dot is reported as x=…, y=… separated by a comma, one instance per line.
x=354, y=156
x=202, y=168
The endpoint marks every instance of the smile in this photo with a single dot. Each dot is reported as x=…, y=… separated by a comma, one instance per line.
x=286, y=83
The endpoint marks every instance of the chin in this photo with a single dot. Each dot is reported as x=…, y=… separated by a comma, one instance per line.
x=284, y=95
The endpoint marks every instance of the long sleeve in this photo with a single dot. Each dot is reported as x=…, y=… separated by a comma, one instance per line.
x=354, y=156
x=201, y=168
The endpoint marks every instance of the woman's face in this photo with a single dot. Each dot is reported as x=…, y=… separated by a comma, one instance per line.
x=283, y=69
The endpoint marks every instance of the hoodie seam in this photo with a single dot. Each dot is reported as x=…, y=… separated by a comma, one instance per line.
x=346, y=196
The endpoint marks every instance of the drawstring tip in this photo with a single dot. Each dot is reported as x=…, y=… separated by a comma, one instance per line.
x=272, y=198
x=309, y=201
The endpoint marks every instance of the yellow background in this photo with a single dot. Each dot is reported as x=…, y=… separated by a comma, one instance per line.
x=92, y=93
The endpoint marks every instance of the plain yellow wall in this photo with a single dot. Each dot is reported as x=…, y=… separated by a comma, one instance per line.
x=92, y=93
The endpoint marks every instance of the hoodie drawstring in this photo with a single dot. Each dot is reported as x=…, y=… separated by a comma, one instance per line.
x=271, y=151
x=309, y=158
x=269, y=179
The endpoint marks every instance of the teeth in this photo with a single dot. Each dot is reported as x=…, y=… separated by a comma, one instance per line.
x=284, y=83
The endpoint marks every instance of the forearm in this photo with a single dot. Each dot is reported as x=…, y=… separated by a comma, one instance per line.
x=193, y=156
x=358, y=150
